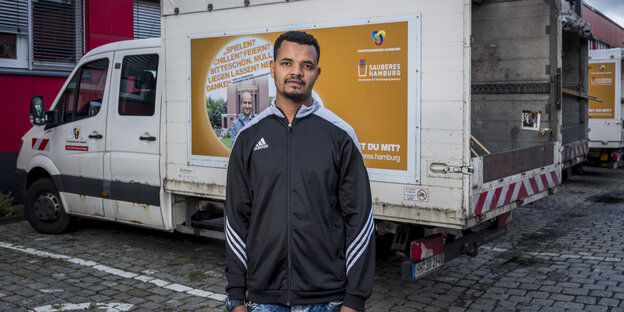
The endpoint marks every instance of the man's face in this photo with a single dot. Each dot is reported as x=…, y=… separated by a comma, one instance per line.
x=246, y=105
x=295, y=70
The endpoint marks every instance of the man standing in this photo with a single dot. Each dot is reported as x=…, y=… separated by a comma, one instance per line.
x=245, y=115
x=299, y=222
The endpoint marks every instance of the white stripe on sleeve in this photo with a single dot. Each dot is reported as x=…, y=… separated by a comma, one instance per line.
x=235, y=243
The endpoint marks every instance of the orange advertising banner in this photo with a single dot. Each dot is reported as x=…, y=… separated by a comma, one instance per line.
x=364, y=81
x=602, y=86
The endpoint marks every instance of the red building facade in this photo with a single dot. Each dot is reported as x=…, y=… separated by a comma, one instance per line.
x=41, y=41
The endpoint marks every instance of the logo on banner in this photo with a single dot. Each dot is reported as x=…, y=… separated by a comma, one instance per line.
x=379, y=36
x=601, y=67
x=362, y=68
x=76, y=133
x=379, y=72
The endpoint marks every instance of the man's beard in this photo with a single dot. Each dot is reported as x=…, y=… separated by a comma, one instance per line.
x=295, y=97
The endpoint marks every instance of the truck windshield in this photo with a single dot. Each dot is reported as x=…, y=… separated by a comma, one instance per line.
x=83, y=95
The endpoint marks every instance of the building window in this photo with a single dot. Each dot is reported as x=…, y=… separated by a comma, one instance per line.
x=8, y=46
x=57, y=33
x=146, y=18
x=13, y=33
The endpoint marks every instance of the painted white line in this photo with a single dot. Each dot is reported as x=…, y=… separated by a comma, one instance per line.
x=556, y=255
x=144, y=278
x=198, y=293
x=159, y=282
x=109, y=307
x=114, y=271
x=51, y=290
x=178, y=288
x=494, y=249
x=111, y=270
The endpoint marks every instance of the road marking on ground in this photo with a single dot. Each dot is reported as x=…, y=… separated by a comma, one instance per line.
x=114, y=271
x=584, y=256
x=109, y=307
x=50, y=291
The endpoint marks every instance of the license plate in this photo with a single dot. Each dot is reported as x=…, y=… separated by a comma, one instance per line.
x=426, y=266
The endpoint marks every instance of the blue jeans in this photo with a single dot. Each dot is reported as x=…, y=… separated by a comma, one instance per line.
x=333, y=306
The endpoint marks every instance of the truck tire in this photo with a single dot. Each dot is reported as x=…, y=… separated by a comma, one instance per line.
x=578, y=169
x=44, y=209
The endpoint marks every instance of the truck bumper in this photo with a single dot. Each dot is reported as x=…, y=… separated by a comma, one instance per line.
x=469, y=244
x=575, y=153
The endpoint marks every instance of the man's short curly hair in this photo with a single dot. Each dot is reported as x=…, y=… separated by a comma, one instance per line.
x=299, y=37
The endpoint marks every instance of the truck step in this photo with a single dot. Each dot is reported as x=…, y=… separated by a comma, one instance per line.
x=209, y=224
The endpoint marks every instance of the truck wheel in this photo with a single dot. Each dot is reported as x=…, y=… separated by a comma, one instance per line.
x=578, y=169
x=44, y=209
x=471, y=250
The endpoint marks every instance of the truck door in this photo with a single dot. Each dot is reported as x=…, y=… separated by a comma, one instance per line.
x=78, y=141
x=132, y=160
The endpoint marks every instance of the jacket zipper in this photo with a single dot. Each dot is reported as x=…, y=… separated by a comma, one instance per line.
x=288, y=211
x=288, y=143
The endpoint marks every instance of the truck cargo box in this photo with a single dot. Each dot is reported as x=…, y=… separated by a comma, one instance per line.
x=421, y=82
x=606, y=128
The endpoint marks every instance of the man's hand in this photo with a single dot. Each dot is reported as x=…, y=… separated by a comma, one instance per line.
x=347, y=309
x=240, y=308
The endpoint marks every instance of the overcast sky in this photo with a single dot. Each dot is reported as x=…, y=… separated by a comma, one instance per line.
x=614, y=9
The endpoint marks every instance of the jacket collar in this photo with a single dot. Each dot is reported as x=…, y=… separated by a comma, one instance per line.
x=301, y=113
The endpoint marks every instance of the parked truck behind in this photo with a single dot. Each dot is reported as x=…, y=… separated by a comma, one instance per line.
x=139, y=132
x=605, y=111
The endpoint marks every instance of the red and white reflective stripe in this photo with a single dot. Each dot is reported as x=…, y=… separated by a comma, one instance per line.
x=572, y=152
x=491, y=199
x=41, y=144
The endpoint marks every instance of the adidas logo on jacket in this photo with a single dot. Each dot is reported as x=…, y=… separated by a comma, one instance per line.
x=260, y=145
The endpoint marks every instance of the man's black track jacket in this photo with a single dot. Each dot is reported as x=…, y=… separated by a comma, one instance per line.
x=299, y=221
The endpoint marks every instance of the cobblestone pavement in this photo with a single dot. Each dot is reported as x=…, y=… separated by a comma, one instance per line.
x=564, y=252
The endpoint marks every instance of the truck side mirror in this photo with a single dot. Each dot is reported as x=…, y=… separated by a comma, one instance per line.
x=37, y=111
x=52, y=117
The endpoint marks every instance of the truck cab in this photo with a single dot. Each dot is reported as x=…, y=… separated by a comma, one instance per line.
x=96, y=152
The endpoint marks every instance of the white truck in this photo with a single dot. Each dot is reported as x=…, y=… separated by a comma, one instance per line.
x=606, y=124
x=130, y=137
